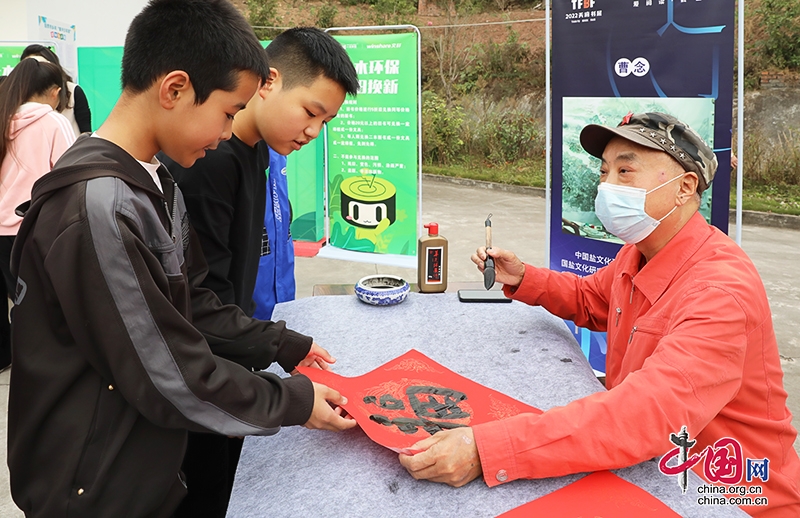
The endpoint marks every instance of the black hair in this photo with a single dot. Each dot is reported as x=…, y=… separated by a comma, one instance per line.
x=28, y=79
x=208, y=39
x=36, y=49
x=302, y=54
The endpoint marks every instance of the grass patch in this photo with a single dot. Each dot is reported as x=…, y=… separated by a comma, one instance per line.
x=780, y=199
x=529, y=171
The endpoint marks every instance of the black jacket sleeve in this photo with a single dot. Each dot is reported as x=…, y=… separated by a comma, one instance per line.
x=255, y=344
x=210, y=200
x=122, y=310
x=83, y=115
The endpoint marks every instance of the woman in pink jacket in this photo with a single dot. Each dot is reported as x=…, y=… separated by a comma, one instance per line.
x=34, y=136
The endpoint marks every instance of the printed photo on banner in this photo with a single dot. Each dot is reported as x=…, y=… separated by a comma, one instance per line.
x=581, y=171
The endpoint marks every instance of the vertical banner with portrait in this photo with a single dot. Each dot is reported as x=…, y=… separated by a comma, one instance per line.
x=372, y=152
x=614, y=57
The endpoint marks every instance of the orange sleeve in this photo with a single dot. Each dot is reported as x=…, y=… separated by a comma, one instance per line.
x=584, y=300
x=693, y=373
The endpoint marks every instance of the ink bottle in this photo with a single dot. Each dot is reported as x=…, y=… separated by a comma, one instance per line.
x=432, y=261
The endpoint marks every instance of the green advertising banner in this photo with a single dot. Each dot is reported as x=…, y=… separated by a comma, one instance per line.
x=9, y=57
x=305, y=178
x=10, y=52
x=372, y=149
x=100, y=70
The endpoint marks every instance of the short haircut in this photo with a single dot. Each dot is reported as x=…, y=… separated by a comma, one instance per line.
x=208, y=39
x=303, y=54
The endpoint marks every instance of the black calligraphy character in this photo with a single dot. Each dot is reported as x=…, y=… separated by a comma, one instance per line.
x=446, y=409
x=410, y=426
x=390, y=403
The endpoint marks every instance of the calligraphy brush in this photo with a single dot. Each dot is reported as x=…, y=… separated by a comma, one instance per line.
x=488, y=270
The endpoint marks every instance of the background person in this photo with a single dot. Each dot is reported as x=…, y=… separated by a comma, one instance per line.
x=74, y=105
x=34, y=136
x=275, y=279
x=690, y=336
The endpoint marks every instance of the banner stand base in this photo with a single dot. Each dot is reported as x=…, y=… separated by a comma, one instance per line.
x=403, y=261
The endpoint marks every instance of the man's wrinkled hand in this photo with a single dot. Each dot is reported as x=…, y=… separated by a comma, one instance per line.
x=509, y=270
x=317, y=358
x=328, y=413
x=450, y=457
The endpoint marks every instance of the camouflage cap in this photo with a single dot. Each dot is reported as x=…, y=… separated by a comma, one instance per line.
x=661, y=132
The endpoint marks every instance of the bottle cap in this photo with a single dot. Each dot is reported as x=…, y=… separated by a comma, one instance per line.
x=433, y=229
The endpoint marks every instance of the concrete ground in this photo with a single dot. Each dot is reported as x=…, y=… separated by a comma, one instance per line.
x=519, y=225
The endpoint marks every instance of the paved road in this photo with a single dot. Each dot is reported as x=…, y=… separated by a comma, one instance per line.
x=519, y=225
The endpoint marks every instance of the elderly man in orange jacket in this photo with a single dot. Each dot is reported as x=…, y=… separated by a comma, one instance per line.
x=690, y=339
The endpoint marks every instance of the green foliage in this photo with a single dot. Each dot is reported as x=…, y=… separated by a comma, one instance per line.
x=505, y=69
x=781, y=23
x=780, y=199
x=528, y=172
x=441, y=130
x=325, y=16
x=502, y=5
x=771, y=164
x=507, y=137
x=393, y=12
x=263, y=13
x=455, y=8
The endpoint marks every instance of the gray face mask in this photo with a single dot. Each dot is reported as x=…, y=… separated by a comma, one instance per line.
x=621, y=210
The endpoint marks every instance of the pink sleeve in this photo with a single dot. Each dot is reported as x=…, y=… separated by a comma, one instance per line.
x=693, y=373
x=584, y=300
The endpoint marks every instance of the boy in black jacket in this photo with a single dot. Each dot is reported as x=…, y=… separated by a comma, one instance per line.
x=113, y=334
x=225, y=194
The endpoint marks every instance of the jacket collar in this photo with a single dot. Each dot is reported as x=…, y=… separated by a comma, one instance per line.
x=654, y=278
x=96, y=153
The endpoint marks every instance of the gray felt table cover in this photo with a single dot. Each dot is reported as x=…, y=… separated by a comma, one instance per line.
x=519, y=350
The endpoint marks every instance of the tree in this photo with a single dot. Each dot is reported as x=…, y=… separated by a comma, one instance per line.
x=782, y=27
x=263, y=13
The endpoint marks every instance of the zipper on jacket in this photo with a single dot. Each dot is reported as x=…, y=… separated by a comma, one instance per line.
x=174, y=213
x=633, y=287
x=171, y=223
x=631, y=337
x=619, y=312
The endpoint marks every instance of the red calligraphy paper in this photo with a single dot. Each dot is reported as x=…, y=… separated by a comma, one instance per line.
x=412, y=397
x=599, y=495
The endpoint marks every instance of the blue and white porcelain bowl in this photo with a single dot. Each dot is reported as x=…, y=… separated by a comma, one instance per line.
x=382, y=290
